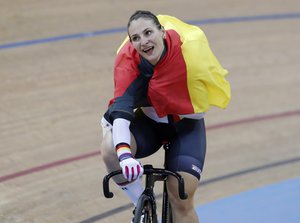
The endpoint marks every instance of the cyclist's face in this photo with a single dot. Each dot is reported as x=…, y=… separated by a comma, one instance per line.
x=147, y=39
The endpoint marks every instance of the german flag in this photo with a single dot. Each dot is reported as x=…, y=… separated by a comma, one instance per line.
x=188, y=79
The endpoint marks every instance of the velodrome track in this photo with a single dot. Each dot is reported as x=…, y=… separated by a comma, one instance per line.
x=56, y=64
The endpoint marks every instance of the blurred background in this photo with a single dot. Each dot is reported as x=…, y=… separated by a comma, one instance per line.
x=56, y=77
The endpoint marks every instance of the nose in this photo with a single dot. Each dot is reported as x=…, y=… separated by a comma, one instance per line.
x=144, y=40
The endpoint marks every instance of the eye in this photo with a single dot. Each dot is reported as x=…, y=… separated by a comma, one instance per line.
x=135, y=38
x=148, y=32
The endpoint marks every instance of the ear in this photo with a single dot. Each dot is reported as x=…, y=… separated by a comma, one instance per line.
x=164, y=32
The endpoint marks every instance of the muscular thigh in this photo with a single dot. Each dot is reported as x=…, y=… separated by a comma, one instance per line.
x=188, y=147
x=146, y=137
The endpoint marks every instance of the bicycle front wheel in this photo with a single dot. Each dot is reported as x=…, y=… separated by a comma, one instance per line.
x=145, y=212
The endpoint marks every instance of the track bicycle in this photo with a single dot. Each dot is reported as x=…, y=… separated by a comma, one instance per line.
x=146, y=209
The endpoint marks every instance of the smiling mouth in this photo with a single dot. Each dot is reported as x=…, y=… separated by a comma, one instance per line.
x=148, y=50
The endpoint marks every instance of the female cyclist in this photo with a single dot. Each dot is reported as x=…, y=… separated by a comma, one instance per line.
x=166, y=78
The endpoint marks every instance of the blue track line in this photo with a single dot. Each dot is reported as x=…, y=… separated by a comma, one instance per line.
x=63, y=37
x=122, y=29
x=274, y=203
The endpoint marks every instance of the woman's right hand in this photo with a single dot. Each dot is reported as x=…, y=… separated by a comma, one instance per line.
x=131, y=169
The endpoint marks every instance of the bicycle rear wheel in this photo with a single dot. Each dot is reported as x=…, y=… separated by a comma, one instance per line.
x=145, y=212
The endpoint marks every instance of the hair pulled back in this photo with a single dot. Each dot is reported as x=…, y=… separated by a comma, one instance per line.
x=144, y=14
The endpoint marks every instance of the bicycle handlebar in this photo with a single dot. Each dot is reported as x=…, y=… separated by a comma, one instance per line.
x=148, y=169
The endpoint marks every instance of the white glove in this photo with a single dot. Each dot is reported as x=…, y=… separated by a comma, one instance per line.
x=131, y=169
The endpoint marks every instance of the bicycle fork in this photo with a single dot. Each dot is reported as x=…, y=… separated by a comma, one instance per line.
x=166, y=207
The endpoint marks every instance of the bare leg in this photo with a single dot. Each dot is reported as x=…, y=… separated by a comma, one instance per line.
x=183, y=210
x=133, y=189
x=109, y=155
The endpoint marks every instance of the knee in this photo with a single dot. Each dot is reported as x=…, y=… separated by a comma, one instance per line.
x=179, y=205
x=191, y=184
x=107, y=148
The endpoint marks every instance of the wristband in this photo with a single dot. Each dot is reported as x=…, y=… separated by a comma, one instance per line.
x=123, y=151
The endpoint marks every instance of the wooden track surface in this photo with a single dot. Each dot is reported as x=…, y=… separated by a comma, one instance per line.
x=52, y=96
